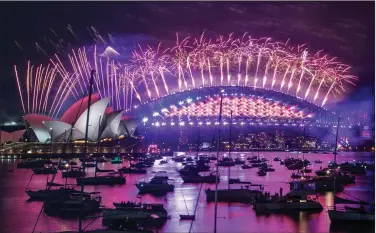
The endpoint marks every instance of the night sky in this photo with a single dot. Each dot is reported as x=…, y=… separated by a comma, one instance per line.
x=342, y=29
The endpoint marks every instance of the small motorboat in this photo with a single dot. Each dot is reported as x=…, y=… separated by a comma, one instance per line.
x=200, y=179
x=72, y=163
x=45, y=170
x=239, y=161
x=261, y=172
x=245, y=166
x=296, y=175
x=155, y=186
x=238, y=181
x=116, y=160
x=90, y=164
x=73, y=172
x=39, y=163
x=163, y=162
x=126, y=205
x=277, y=159
x=318, y=161
x=187, y=217
x=132, y=170
x=306, y=170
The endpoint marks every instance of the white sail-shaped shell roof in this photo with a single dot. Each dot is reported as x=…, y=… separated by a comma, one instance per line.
x=36, y=123
x=60, y=131
x=96, y=114
x=112, y=125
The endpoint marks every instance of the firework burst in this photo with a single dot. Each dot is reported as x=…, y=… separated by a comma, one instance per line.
x=153, y=72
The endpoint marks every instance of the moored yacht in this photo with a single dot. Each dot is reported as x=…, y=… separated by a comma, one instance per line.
x=75, y=205
x=200, y=179
x=155, y=186
x=73, y=172
x=293, y=201
x=243, y=195
x=146, y=215
x=45, y=170
x=132, y=170
x=108, y=179
x=49, y=193
x=117, y=160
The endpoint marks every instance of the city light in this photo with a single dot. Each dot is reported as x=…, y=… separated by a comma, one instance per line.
x=145, y=119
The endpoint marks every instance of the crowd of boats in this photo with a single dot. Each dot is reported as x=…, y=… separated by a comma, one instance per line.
x=65, y=200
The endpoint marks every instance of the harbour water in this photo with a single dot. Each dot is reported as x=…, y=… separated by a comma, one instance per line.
x=19, y=215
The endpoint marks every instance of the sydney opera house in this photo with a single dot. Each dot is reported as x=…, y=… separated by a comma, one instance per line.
x=109, y=131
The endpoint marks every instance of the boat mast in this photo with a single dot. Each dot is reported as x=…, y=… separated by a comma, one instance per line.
x=198, y=142
x=216, y=173
x=229, y=150
x=301, y=146
x=335, y=164
x=86, y=144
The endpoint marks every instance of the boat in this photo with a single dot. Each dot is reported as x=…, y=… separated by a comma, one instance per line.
x=109, y=179
x=50, y=194
x=242, y=195
x=293, y=201
x=126, y=205
x=72, y=163
x=101, y=160
x=341, y=177
x=268, y=169
x=140, y=165
x=73, y=172
x=90, y=164
x=155, y=186
x=226, y=162
x=306, y=170
x=261, y=172
x=116, y=160
x=39, y=163
x=45, y=170
x=163, y=162
x=345, y=215
x=178, y=159
x=132, y=170
x=245, y=166
x=276, y=159
x=161, y=175
x=255, y=161
x=296, y=175
x=259, y=165
x=76, y=204
x=252, y=157
x=320, y=185
x=239, y=161
x=187, y=216
x=146, y=215
x=353, y=168
x=318, y=161
x=323, y=172
x=296, y=166
x=192, y=169
x=200, y=179
x=238, y=181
